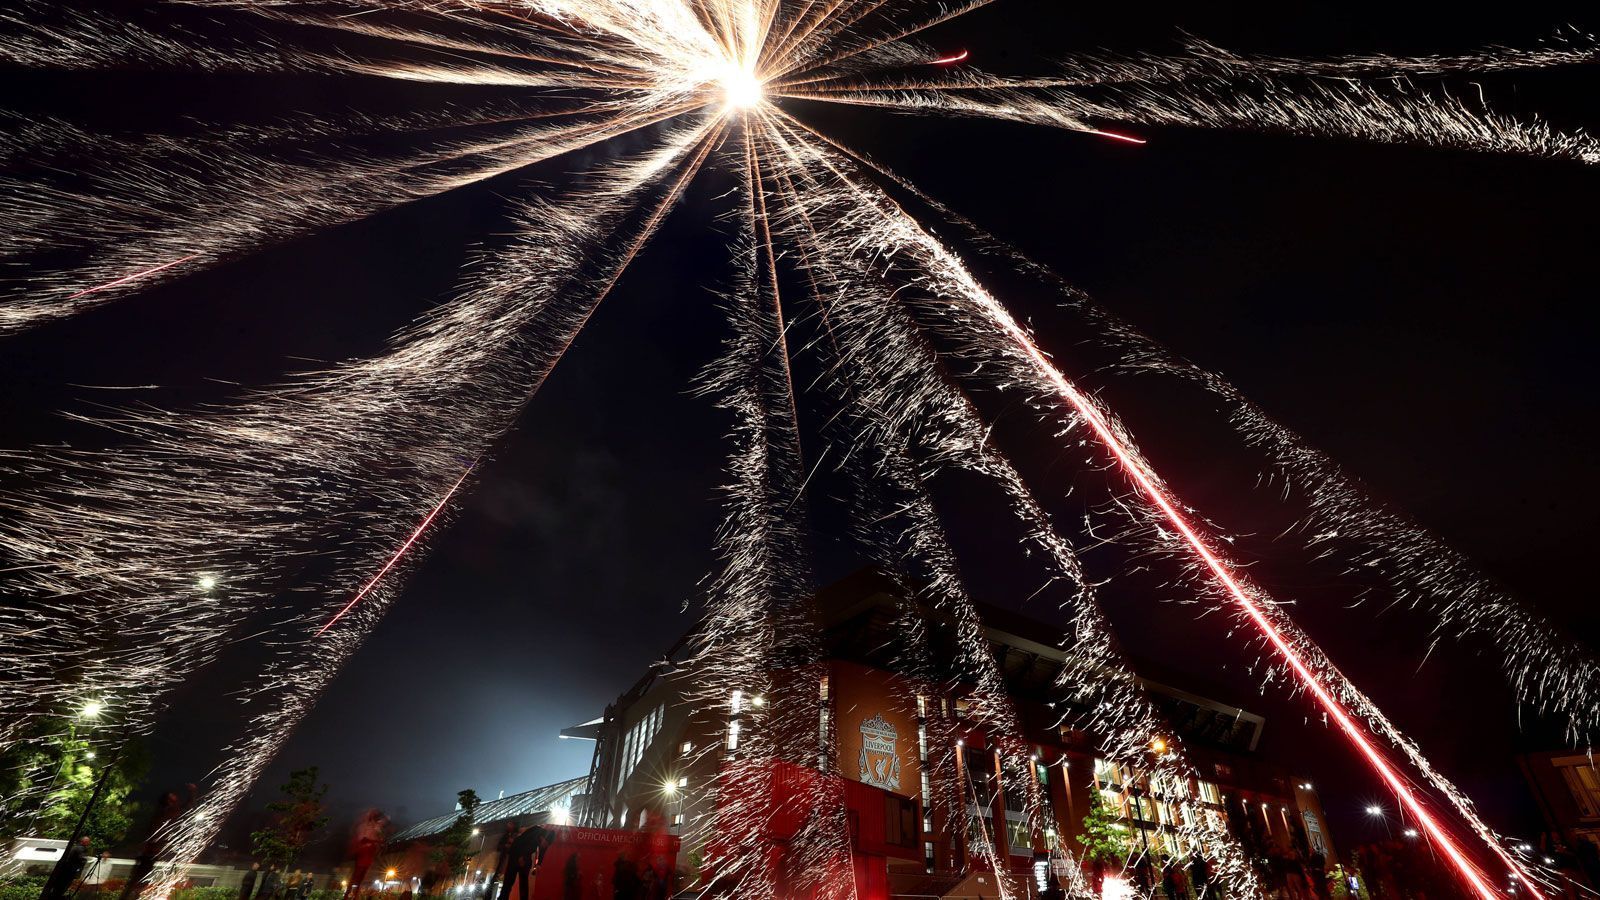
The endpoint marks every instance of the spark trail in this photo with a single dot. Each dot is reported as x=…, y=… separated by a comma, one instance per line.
x=203, y=526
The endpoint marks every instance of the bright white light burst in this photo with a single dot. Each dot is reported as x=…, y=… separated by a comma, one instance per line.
x=316, y=495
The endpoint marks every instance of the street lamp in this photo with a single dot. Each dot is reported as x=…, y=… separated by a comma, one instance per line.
x=1410, y=832
x=1377, y=812
x=206, y=582
x=91, y=710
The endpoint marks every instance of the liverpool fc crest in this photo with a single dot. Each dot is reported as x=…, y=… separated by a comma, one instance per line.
x=880, y=765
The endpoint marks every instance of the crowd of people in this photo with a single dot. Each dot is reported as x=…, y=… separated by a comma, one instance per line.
x=274, y=884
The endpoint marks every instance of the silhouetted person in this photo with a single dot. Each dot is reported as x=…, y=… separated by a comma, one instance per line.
x=624, y=879
x=67, y=869
x=1052, y=890
x=167, y=812
x=1199, y=875
x=247, y=884
x=502, y=856
x=572, y=880
x=269, y=882
x=364, y=846
x=1169, y=880
x=527, y=851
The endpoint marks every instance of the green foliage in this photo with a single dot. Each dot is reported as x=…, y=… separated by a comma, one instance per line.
x=452, y=850
x=48, y=777
x=22, y=888
x=205, y=893
x=297, y=818
x=1104, y=838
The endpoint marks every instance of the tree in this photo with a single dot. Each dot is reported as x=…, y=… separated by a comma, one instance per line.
x=45, y=784
x=1104, y=838
x=297, y=819
x=452, y=849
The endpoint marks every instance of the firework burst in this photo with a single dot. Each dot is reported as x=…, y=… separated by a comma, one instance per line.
x=347, y=471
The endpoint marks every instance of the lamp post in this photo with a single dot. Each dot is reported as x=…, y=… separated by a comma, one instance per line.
x=1376, y=811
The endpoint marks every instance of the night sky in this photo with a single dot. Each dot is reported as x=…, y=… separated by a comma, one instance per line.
x=1424, y=316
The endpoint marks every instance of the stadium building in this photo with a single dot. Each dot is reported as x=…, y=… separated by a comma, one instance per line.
x=657, y=751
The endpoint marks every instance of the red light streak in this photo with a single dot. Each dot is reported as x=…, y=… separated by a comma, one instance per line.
x=949, y=60
x=1128, y=138
x=1146, y=483
x=367, y=588
x=134, y=277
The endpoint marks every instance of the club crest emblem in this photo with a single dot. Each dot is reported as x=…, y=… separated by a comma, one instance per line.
x=880, y=765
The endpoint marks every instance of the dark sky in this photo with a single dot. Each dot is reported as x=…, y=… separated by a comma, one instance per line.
x=1424, y=316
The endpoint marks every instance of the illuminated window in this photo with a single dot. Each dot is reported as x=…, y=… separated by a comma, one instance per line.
x=928, y=857
x=686, y=748
x=1019, y=838
x=1209, y=793
x=1583, y=781
x=638, y=740
x=733, y=735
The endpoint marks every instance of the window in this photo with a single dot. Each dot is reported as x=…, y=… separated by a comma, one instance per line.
x=1224, y=771
x=1584, y=783
x=638, y=740
x=1209, y=793
x=733, y=735
x=900, y=821
x=1019, y=838
x=928, y=857
x=687, y=748
x=1108, y=773
x=683, y=782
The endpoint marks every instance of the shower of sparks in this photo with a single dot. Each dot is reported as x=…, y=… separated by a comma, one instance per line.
x=210, y=526
x=400, y=552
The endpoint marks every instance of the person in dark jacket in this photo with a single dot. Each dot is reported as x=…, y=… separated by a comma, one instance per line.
x=1199, y=875
x=527, y=851
x=269, y=883
x=167, y=812
x=247, y=884
x=68, y=869
x=502, y=857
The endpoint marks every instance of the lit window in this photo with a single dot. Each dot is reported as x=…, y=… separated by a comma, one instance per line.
x=1584, y=783
x=683, y=782
x=737, y=702
x=686, y=748
x=733, y=735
